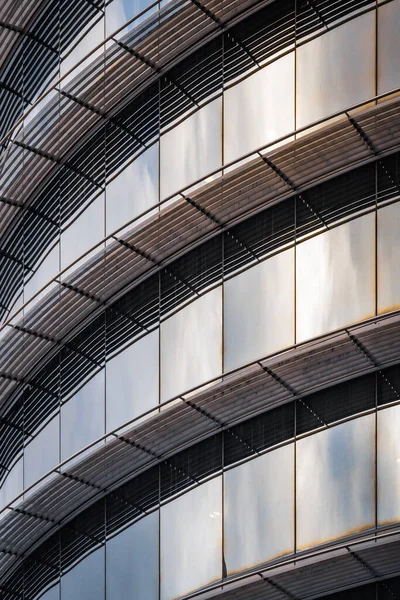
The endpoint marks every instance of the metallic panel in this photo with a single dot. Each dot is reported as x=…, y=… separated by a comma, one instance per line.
x=336, y=70
x=42, y=453
x=82, y=417
x=133, y=191
x=192, y=149
x=388, y=47
x=335, y=482
x=191, y=345
x=335, y=278
x=259, y=310
x=86, y=580
x=132, y=561
x=132, y=381
x=259, y=510
x=191, y=540
x=259, y=109
x=388, y=258
x=388, y=465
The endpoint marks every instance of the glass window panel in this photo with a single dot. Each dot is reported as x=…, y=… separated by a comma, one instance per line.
x=132, y=561
x=46, y=271
x=52, y=594
x=388, y=47
x=335, y=474
x=132, y=381
x=75, y=53
x=259, y=510
x=336, y=70
x=86, y=580
x=191, y=345
x=82, y=417
x=42, y=453
x=83, y=233
x=133, y=191
x=389, y=465
x=192, y=149
x=119, y=12
x=388, y=258
x=335, y=278
x=13, y=484
x=259, y=310
x=191, y=540
x=260, y=109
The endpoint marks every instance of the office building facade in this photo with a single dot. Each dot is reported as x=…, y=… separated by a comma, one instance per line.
x=199, y=299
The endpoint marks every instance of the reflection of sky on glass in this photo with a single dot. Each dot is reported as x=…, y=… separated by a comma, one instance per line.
x=82, y=417
x=259, y=310
x=336, y=70
x=86, y=580
x=192, y=149
x=388, y=47
x=121, y=11
x=259, y=501
x=191, y=345
x=132, y=381
x=335, y=275
x=388, y=258
x=191, y=540
x=13, y=484
x=42, y=453
x=260, y=109
x=133, y=191
x=389, y=465
x=335, y=482
x=132, y=561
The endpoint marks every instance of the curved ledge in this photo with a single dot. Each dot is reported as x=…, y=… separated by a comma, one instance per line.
x=189, y=419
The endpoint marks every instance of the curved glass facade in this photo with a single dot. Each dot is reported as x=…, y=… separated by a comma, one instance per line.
x=200, y=225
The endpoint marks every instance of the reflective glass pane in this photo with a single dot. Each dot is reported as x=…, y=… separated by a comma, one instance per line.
x=335, y=474
x=52, y=594
x=388, y=258
x=389, y=465
x=133, y=191
x=46, y=271
x=132, y=381
x=191, y=345
x=192, y=149
x=191, y=540
x=132, y=561
x=82, y=417
x=259, y=510
x=335, y=278
x=259, y=310
x=336, y=70
x=42, y=453
x=83, y=233
x=260, y=109
x=388, y=47
x=78, y=51
x=12, y=485
x=118, y=12
x=86, y=580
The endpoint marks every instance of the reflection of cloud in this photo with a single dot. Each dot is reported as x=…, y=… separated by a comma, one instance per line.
x=93, y=38
x=335, y=278
x=133, y=191
x=191, y=345
x=335, y=481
